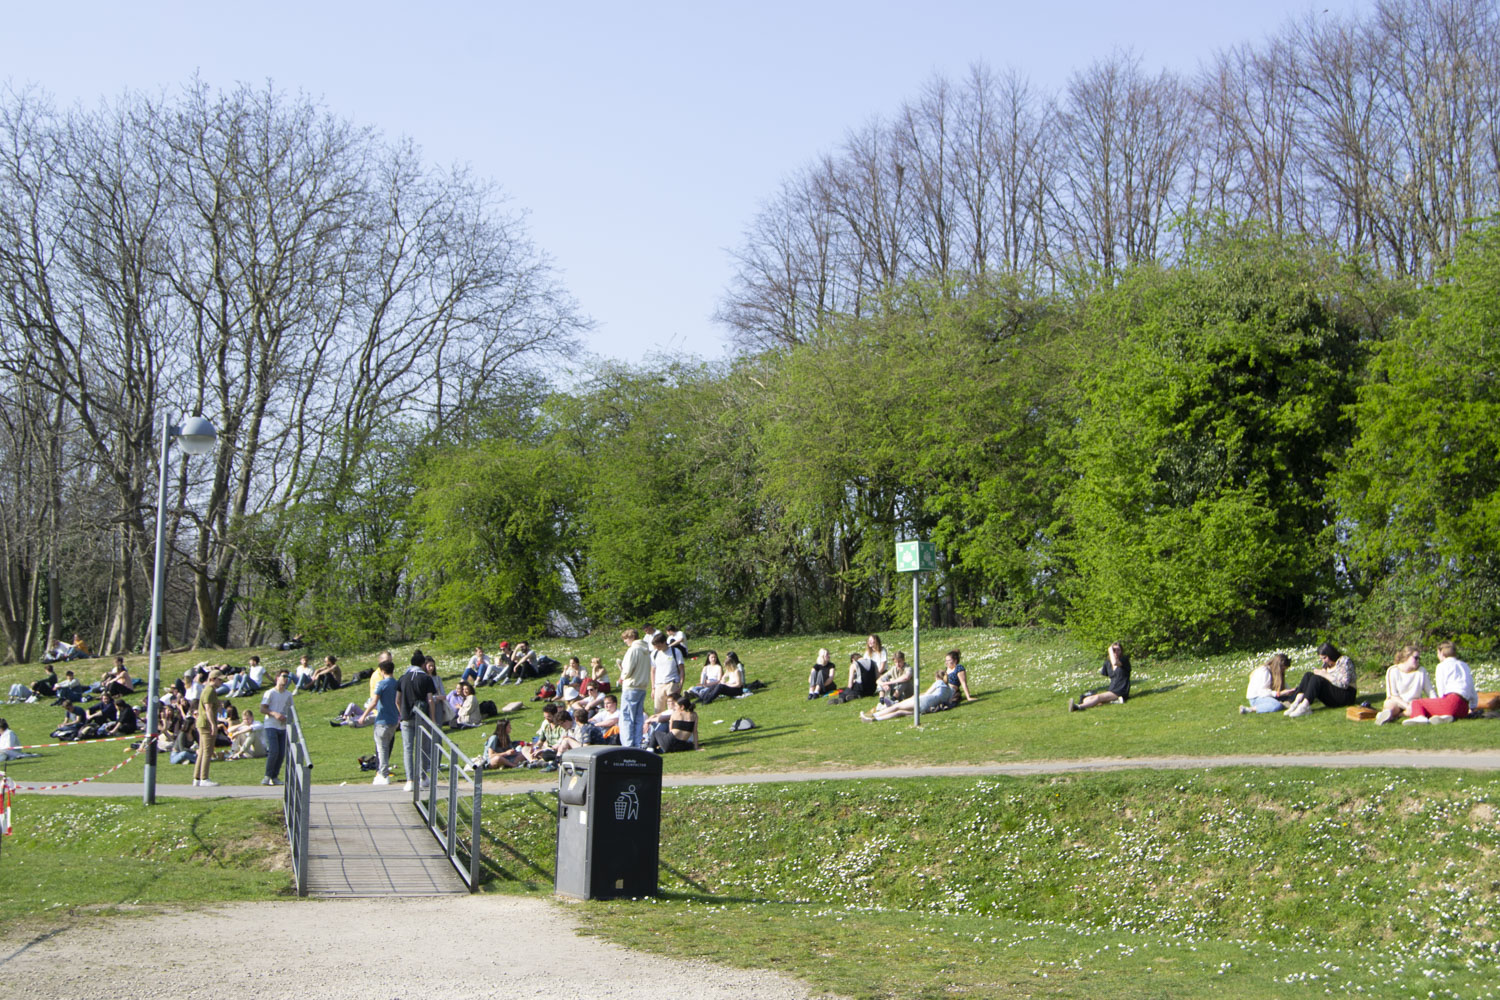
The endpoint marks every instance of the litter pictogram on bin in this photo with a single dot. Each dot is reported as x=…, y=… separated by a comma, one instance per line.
x=628, y=804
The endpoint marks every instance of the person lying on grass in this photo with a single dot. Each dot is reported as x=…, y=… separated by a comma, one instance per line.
x=1333, y=684
x=1266, y=683
x=942, y=693
x=1117, y=669
x=1405, y=682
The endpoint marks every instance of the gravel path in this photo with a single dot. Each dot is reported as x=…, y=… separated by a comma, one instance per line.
x=1468, y=759
x=454, y=948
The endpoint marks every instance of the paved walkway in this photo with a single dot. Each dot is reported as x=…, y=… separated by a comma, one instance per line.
x=496, y=785
x=374, y=848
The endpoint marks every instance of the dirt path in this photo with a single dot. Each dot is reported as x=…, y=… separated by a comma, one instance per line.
x=455, y=948
x=496, y=785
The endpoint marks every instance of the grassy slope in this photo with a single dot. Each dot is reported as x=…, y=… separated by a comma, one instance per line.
x=1022, y=680
x=1120, y=884
x=1239, y=882
x=69, y=854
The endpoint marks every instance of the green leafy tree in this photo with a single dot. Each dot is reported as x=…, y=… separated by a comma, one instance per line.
x=1421, y=488
x=1211, y=425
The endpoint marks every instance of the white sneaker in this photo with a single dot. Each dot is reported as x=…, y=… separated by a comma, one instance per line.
x=1246, y=709
x=1416, y=720
x=205, y=783
x=380, y=779
x=1438, y=720
x=195, y=782
x=1383, y=716
x=407, y=787
x=1299, y=710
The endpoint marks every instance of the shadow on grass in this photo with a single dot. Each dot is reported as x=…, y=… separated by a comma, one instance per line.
x=751, y=735
x=1159, y=689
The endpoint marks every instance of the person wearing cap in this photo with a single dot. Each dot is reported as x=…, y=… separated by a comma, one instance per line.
x=208, y=720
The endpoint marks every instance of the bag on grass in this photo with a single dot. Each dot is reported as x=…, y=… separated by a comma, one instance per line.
x=369, y=762
x=546, y=691
x=742, y=724
x=487, y=709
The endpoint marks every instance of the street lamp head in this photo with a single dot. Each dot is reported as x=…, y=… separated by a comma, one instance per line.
x=196, y=436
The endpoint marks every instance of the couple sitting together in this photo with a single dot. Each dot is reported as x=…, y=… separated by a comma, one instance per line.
x=1408, y=688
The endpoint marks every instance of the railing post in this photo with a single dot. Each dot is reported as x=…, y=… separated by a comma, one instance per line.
x=475, y=828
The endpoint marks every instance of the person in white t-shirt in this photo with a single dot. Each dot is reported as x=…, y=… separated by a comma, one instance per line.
x=1405, y=682
x=666, y=676
x=1456, y=697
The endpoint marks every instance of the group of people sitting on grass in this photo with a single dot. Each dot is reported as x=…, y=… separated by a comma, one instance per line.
x=587, y=711
x=1411, y=694
x=874, y=674
x=508, y=665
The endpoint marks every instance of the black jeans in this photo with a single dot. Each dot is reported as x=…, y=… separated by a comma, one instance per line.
x=1315, y=688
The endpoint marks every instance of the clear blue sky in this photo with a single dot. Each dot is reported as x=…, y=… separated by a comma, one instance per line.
x=639, y=139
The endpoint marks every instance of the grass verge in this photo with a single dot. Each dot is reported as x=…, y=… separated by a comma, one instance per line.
x=1234, y=882
x=116, y=855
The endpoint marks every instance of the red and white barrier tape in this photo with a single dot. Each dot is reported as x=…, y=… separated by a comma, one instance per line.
x=80, y=781
x=82, y=743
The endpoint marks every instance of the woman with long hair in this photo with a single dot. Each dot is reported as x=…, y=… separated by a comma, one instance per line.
x=1266, y=684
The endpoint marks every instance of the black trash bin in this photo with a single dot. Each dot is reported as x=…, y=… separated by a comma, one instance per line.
x=608, y=822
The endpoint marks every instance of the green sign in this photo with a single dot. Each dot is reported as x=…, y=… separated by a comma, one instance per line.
x=915, y=557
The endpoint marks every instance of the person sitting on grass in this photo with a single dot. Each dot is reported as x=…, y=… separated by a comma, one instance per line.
x=1456, y=698
x=583, y=733
x=328, y=677
x=182, y=748
x=10, y=744
x=1117, y=669
x=47, y=686
x=733, y=684
x=820, y=678
x=863, y=673
x=246, y=738
x=500, y=750
x=1266, y=683
x=523, y=663
x=894, y=683
x=249, y=680
x=553, y=730
x=69, y=689
x=305, y=674
x=477, y=667
x=607, y=718
x=1405, y=682
x=570, y=681
x=466, y=709
x=1333, y=684
x=707, y=688
x=102, y=715
x=127, y=722
x=677, y=728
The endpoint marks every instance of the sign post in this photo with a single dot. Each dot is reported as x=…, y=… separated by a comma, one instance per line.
x=916, y=558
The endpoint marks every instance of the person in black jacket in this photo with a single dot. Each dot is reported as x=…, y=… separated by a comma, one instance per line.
x=1117, y=669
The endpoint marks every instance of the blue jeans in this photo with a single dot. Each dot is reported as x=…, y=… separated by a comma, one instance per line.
x=1266, y=704
x=275, y=750
x=632, y=717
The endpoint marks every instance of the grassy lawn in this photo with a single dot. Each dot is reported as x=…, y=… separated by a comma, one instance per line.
x=1236, y=882
x=1021, y=680
x=69, y=855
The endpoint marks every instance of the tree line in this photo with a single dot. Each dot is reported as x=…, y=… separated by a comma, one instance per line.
x=1178, y=362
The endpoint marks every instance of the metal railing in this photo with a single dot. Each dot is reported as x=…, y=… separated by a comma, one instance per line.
x=435, y=754
x=296, y=798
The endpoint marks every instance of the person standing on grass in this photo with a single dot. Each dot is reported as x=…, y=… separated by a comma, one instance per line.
x=208, y=722
x=1456, y=697
x=382, y=705
x=635, y=681
x=417, y=689
x=1117, y=669
x=276, y=708
x=666, y=678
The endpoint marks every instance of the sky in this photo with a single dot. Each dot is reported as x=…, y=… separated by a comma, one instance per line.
x=639, y=140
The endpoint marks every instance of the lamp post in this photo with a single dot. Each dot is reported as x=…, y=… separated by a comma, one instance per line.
x=196, y=436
